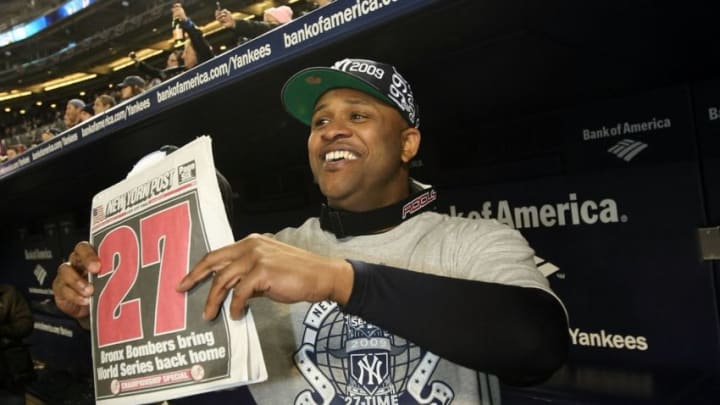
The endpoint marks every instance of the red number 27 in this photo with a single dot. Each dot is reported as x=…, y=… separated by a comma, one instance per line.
x=164, y=238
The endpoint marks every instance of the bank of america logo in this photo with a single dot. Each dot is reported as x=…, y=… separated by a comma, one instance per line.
x=40, y=274
x=545, y=267
x=627, y=149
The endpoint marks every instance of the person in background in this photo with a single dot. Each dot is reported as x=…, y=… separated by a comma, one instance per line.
x=87, y=112
x=131, y=86
x=197, y=49
x=322, y=3
x=72, y=112
x=48, y=134
x=380, y=298
x=16, y=323
x=11, y=152
x=103, y=102
x=174, y=59
x=318, y=4
x=278, y=15
x=247, y=29
x=173, y=65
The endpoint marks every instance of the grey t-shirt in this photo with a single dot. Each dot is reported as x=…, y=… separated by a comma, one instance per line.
x=317, y=354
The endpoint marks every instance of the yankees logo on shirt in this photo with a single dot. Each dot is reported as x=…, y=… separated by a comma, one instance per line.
x=347, y=360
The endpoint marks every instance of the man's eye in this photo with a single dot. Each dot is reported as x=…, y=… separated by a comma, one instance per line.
x=357, y=116
x=319, y=122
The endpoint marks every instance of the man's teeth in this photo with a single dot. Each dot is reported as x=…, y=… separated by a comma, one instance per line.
x=339, y=155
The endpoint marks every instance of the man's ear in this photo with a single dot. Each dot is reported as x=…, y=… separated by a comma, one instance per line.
x=410, y=144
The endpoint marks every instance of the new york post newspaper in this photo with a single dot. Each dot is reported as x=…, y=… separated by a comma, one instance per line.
x=149, y=342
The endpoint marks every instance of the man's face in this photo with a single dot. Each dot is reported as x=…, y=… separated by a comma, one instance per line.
x=172, y=60
x=355, y=150
x=126, y=92
x=98, y=106
x=71, y=115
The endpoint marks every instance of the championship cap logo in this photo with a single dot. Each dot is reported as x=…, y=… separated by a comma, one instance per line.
x=380, y=80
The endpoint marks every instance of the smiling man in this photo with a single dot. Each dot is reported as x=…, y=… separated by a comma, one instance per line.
x=380, y=299
x=365, y=171
x=385, y=301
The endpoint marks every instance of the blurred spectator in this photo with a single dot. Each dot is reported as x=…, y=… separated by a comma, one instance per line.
x=11, y=152
x=247, y=29
x=16, y=320
x=72, y=112
x=278, y=15
x=316, y=4
x=16, y=323
x=173, y=65
x=173, y=60
x=152, y=83
x=87, y=112
x=131, y=86
x=103, y=102
x=197, y=50
x=49, y=134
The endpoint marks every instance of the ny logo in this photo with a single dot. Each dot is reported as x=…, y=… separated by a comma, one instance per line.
x=369, y=370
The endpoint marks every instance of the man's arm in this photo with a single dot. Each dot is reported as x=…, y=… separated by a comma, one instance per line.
x=201, y=46
x=243, y=29
x=519, y=334
x=145, y=68
x=251, y=29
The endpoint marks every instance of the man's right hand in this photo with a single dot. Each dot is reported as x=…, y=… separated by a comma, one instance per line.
x=71, y=287
x=225, y=18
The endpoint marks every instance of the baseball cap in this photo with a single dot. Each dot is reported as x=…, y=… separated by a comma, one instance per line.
x=132, y=80
x=76, y=102
x=380, y=80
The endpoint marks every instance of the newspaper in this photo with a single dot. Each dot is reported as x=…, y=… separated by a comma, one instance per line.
x=149, y=342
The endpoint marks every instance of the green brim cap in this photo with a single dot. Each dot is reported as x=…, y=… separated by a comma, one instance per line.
x=301, y=92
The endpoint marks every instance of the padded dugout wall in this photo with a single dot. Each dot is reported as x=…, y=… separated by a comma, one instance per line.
x=706, y=102
x=32, y=254
x=614, y=228
x=707, y=115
